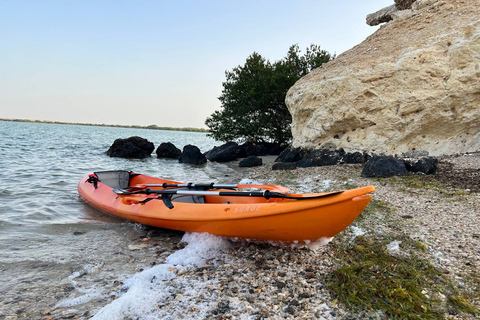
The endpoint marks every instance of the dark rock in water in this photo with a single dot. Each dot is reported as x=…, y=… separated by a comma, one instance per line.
x=290, y=155
x=384, y=167
x=168, y=150
x=284, y=166
x=133, y=147
x=321, y=157
x=427, y=165
x=252, y=161
x=191, y=154
x=226, y=152
x=355, y=157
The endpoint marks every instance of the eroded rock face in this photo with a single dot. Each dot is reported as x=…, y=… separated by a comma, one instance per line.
x=404, y=4
x=413, y=84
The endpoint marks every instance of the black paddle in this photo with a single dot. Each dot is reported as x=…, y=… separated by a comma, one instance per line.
x=166, y=195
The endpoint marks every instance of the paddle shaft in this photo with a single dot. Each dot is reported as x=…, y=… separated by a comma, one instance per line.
x=189, y=185
x=265, y=194
x=206, y=186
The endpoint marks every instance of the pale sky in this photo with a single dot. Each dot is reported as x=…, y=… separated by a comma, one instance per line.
x=152, y=62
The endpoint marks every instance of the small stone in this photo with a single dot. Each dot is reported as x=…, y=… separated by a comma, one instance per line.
x=179, y=297
x=133, y=247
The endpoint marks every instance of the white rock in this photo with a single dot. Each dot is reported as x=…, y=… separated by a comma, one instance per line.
x=413, y=84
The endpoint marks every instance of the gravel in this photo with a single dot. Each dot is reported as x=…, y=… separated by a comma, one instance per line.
x=260, y=281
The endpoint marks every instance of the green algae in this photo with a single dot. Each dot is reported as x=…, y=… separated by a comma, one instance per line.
x=370, y=279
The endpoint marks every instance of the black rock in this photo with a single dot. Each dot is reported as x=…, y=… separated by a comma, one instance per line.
x=260, y=149
x=284, y=166
x=254, y=149
x=384, y=167
x=355, y=157
x=168, y=150
x=322, y=157
x=304, y=163
x=291, y=155
x=226, y=152
x=191, y=154
x=133, y=147
x=252, y=161
x=427, y=165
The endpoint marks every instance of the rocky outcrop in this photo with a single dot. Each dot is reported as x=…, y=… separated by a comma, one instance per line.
x=381, y=16
x=404, y=4
x=413, y=84
x=133, y=147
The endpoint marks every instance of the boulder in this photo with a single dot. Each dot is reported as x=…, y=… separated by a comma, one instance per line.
x=226, y=152
x=413, y=84
x=426, y=165
x=384, y=167
x=355, y=157
x=133, y=147
x=252, y=161
x=260, y=149
x=291, y=155
x=191, y=154
x=168, y=150
x=321, y=157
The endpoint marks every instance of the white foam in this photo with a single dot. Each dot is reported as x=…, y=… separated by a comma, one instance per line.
x=201, y=247
x=162, y=285
x=90, y=294
x=319, y=243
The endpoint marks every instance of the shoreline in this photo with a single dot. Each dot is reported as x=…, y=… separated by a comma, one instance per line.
x=150, y=127
x=425, y=219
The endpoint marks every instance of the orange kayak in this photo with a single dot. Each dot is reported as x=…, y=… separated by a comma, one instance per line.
x=269, y=215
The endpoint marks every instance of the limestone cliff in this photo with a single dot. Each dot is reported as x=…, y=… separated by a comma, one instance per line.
x=413, y=84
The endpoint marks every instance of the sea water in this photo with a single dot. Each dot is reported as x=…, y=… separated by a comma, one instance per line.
x=49, y=238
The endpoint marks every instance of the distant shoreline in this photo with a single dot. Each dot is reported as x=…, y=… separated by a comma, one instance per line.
x=153, y=127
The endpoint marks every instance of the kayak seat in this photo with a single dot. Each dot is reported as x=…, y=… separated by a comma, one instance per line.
x=187, y=198
x=115, y=179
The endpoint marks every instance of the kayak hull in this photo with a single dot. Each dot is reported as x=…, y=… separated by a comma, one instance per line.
x=256, y=219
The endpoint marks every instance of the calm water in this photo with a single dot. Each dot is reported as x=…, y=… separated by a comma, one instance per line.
x=42, y=163
x=46, y=232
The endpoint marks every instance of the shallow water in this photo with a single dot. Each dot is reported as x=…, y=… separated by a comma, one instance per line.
x=46, y=232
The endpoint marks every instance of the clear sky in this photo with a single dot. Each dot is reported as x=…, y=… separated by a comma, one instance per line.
x=152, y=62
